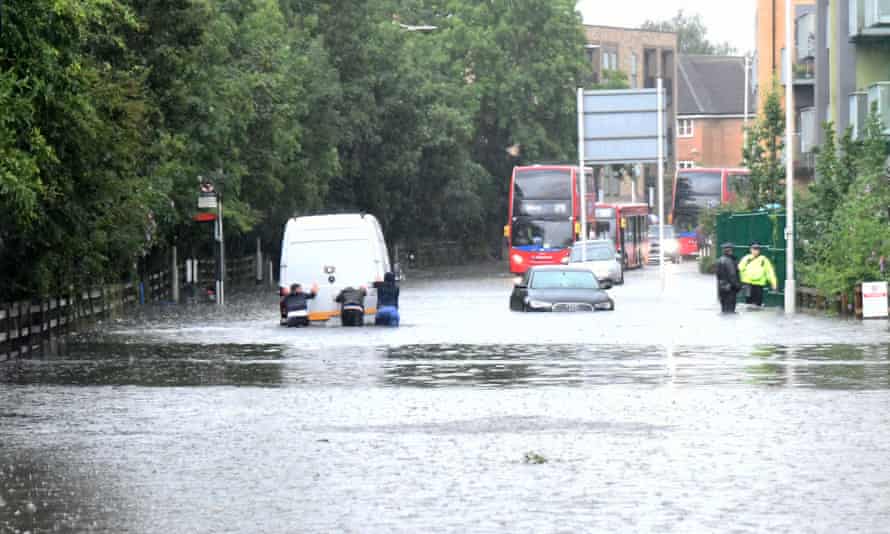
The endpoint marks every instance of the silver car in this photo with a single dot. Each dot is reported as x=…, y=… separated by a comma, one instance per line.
x=600, y=257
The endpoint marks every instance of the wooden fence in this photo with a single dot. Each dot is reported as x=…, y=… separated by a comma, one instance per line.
x=26, y=325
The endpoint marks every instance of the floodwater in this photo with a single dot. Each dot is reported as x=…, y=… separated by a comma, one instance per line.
x=660, y=416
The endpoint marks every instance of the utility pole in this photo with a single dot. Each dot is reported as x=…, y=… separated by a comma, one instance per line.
x=790, y=283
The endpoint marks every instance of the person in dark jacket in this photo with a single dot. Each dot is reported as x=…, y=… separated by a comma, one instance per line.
x=387, y=301
x=297, y=301
x=728, y=283
x=352, y=306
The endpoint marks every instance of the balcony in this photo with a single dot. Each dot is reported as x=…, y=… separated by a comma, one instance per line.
x=879, y=93
x=803, y=70
x=807, y=130
x=805, y=37
x=869, y=19
x=858, y=103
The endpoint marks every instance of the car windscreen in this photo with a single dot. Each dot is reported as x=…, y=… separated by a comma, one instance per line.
x=564, y=280
x=542, y=234
x=598, y=252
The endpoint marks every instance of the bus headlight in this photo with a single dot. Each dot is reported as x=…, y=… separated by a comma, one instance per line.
x=517, y=259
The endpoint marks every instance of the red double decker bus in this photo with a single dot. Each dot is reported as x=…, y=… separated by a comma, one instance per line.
x=696, y=190
x=627, y=226
x=544, y=215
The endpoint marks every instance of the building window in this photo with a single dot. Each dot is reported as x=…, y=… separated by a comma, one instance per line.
x=591, y=51
x=686, y=164
x=685, y=127
x=633, y=70
x=609, y=57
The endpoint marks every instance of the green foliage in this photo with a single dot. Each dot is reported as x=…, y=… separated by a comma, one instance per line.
x=707, y=264
x=113, y=109
x=763, y=156
x=691, y=34
x=847, y=216
x=612, y=79
x=72, y=128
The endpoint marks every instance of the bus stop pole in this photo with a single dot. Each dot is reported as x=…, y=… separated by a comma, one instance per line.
x=221, y=270
x=790, y=283
x=660, y=185
x=582, y=176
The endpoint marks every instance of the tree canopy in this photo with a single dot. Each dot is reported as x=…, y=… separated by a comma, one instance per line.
x=111, y=111
x=691, y=34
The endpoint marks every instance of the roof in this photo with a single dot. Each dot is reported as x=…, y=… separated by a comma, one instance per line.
x=566, y=268
x=712, y=85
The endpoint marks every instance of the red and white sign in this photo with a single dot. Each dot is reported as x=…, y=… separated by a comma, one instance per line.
x=874, y=300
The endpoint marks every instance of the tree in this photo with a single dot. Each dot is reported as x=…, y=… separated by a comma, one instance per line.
x=74, y=205
x=612, y=79
x=849, y=248
x=763, y=156
x=691, y=35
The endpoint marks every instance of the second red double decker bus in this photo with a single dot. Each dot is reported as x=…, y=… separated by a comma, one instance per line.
x=626, y=225
x=544, y=215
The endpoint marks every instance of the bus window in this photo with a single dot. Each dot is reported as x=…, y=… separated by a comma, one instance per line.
x=605, y=230
x=544, y=185
x=734, y=184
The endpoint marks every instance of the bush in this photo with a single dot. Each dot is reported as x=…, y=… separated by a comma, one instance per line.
x=707, y=265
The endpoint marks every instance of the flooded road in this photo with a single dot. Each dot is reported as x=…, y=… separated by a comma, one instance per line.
x=660, y=416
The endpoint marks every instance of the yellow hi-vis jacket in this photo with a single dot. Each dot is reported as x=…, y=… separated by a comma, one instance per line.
x=757, y=271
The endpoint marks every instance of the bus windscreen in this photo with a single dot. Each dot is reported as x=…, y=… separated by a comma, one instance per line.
x=695, y=191
x=542, y=234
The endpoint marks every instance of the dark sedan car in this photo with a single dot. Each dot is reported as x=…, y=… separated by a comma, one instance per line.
x=560, y=288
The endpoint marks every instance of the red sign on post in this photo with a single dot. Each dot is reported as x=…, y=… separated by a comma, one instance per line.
x=204, y=216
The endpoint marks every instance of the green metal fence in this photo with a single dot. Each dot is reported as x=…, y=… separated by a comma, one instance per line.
x=764, y=227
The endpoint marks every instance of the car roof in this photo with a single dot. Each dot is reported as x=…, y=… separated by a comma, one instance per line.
x=566, y=268
x=605, y=242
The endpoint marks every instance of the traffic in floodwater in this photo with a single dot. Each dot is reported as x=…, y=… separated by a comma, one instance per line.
x=662, y=415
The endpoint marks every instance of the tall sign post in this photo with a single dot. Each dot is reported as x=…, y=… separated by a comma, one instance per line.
x=790, y=283
x=210, y=198
x=660, y=185
x=582, y=176
x=623, y=127
x=221, y=272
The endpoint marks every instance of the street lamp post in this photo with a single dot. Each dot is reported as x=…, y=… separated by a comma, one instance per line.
x=790, y=283
x=747, y=93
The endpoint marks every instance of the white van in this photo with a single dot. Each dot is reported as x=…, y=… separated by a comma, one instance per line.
x=334, y=251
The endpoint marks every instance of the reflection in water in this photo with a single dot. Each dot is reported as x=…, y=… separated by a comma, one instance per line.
x=116, y=363
x=120, y=363
x=822, y=366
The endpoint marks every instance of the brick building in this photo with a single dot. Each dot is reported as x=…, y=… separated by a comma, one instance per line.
x=710, y=114
x=643, y=56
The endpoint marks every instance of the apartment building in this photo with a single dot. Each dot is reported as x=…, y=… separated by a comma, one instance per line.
x=852, y=63
x=769, y=64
